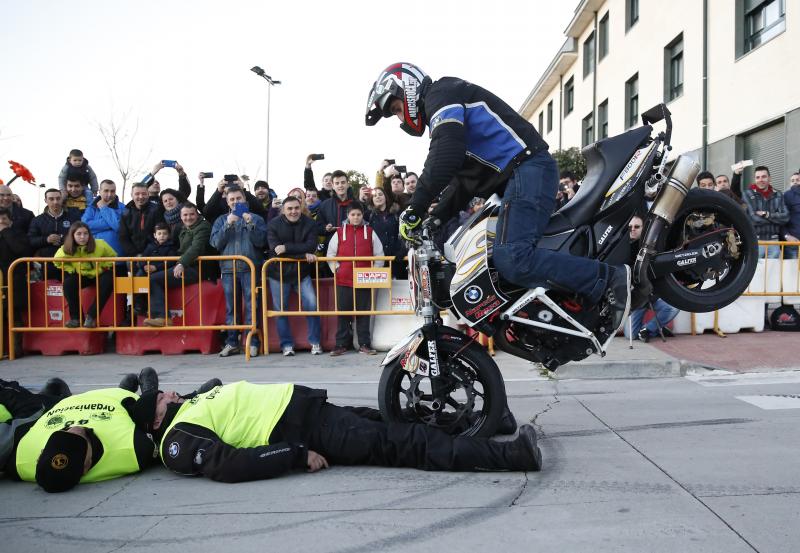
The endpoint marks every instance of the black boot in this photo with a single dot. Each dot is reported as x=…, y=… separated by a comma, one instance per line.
x=148, y=380
x=209, y=385
x=523, y=453
x=507, y=424
x=57, y=388
x=129, y=382
x=618, y=295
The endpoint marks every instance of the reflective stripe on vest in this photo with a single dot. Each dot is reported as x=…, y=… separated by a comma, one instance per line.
x=100, y=410
x=241, y=414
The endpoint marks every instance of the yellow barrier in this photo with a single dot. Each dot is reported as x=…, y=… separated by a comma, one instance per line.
x=127, y=284
x=363, y=278
x=782, y=287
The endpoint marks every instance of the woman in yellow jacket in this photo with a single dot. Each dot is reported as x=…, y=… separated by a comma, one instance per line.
x=79, y=243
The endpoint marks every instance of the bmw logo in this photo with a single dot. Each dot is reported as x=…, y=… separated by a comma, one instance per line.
x=473, y=294
x=174, y=449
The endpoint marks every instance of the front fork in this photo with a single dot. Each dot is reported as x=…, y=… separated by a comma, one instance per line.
x=430, y=328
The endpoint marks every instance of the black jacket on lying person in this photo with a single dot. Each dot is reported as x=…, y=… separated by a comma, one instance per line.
x=299, y=238
x=46, y=224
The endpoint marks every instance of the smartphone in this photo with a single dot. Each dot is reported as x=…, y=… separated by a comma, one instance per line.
x=316, y=157
x=390, y=161
x=169, y=162
x=231, y=178
x=208, y=175
x=400, y=169
x=240, y=209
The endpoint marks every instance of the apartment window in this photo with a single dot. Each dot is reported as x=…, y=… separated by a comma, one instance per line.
x=541, y=122
x=550, y=116
x=632, y=101
x=569, y=96
x=587, y=130
x=588, y=56
x=763, y=20
x=602, y=41
x=602, y=120
x=631, y=13
x=673, y=69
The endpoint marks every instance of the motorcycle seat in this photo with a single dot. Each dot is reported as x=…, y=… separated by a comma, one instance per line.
x=605, y=160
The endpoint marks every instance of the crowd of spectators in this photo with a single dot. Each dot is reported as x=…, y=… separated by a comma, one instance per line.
x=86, y=218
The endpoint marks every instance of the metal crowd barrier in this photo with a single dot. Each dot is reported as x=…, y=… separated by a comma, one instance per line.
x=788, y=285
x=372, y=278
x=127, y=284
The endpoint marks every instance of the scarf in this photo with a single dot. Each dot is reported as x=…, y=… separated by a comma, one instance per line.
x=173, y=216
x=767, y=192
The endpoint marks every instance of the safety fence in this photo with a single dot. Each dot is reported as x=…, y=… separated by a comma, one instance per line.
x=187, y=300
x=194, y=308
x=368, y=290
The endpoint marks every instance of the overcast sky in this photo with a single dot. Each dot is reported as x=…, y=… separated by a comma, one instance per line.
x=182, y=69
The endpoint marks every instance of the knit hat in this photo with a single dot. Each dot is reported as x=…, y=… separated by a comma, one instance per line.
x=60, y=465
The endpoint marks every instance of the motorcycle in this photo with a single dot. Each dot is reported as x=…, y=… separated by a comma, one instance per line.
x=698, y=253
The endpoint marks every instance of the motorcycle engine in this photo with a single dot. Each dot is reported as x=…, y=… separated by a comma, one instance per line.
x=546, y=346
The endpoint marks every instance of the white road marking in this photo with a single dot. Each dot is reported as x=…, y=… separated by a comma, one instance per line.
x=773, y=402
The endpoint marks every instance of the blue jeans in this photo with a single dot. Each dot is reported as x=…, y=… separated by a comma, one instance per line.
x=242, y=291
x=664, y=312
x=773, y=251
x=309, y=303
x=790, y=252
x=528, y=202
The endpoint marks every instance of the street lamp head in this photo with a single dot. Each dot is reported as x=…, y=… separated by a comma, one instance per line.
x=257, y=70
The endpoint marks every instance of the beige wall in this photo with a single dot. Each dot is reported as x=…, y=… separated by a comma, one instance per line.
x=758, y=87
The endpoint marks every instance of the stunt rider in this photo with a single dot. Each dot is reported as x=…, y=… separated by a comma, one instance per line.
x=479, y=146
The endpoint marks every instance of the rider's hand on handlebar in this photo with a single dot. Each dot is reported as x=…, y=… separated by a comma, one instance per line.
x=410, y=220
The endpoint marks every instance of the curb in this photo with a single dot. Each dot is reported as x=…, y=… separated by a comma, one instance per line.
x=665, y=368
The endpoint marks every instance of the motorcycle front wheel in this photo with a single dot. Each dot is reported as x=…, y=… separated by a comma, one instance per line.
x=703, y=212
x=468, y=398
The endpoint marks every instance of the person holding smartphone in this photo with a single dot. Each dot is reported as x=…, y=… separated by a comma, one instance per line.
x=239, y=232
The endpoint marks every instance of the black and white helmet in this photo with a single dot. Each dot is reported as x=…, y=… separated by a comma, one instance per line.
x=406, y=82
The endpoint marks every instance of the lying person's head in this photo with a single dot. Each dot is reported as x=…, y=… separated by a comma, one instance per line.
x=66, y=457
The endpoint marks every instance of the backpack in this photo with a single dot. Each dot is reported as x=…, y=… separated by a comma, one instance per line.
x=785, y=318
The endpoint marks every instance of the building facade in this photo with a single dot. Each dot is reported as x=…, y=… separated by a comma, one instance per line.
x=723, y=67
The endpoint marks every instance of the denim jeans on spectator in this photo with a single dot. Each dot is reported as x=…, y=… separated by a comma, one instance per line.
x=157, y=303
x=242, y=281
x=664, y=312
x=773, y=251
x=309, y=303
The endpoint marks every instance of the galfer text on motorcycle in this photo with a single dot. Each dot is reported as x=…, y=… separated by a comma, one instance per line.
x=474, y=292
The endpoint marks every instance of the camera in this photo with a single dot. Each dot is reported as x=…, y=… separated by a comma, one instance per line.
x=208, y=175
x=400, y=169
x=316, y=157
x=231, y=178
x=390, y=161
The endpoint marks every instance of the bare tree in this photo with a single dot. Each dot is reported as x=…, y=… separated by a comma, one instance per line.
x=119, y=135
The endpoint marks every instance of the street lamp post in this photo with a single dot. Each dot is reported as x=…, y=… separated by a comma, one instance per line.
x=270, y=82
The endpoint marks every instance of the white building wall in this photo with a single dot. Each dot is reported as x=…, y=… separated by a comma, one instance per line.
x=743, y=94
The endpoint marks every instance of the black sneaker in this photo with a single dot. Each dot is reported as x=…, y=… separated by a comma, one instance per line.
x=667, y=332
x=129, y=382
x=523, y=453
x=618, y=295
x=57, y=388
x=643, y=335
x=148, y=380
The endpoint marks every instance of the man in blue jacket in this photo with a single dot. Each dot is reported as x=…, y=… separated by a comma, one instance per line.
x=239, y=232
x=104, y=215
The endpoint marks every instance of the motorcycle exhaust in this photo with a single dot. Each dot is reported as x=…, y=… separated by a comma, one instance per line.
x=679, y=181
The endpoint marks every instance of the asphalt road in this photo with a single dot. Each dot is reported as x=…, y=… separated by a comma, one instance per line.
x=705, y=463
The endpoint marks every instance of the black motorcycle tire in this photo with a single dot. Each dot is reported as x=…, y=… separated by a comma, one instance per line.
x=474, y=361
x=669, y=287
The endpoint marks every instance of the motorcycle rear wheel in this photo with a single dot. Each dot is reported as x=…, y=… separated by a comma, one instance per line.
x=471, y=393
x=687, y=291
